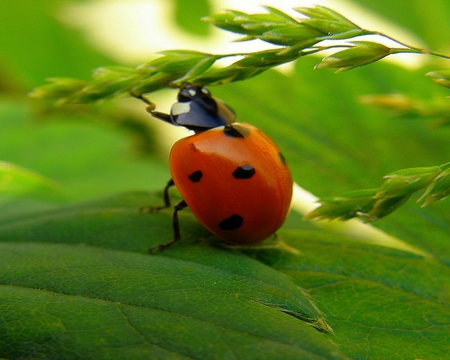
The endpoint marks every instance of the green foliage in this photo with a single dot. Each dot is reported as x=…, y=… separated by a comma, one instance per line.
x=201, y=8
x=32, y=56
x=361, y=53
x=17, y=181
x=89, y=158
x=76, y=279
x=371, y=205
x=98, y=299
x=436, y=108
x=440, y=77
x=297, y=38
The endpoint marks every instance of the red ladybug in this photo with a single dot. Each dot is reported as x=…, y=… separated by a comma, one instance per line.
x=232, y=176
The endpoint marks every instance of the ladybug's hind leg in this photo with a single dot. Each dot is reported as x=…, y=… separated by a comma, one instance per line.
x=167, y=201
x=176, y=228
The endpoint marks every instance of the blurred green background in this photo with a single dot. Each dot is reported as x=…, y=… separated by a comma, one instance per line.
x=87, y=150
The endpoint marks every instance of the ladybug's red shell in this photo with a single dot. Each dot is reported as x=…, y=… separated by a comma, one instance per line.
x=235, y=180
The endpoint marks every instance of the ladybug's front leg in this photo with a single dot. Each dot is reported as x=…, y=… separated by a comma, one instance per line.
x=176, y=228
x=159, y=115
x=151, y=109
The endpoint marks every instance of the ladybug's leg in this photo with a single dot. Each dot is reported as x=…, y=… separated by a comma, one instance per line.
x=151, y=109
x=159, y=115
x=176, y=228
x=167, y=201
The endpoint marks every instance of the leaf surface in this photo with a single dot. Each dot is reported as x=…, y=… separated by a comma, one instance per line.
x=382, y=303
x=199, y=302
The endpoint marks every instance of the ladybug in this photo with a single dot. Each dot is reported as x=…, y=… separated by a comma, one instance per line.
x=231, y=175
x=196, y=110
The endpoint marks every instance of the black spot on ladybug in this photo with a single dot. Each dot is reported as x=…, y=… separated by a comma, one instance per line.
x=232, y=223
x=195, y=176
x=244, y=172
x=282, y=158
x=231, y=131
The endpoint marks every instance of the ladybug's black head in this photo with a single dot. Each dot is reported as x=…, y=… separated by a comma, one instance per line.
x=190, y=92
x=198, y=110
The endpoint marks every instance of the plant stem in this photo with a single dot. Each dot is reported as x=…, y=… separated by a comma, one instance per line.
x=410, y=49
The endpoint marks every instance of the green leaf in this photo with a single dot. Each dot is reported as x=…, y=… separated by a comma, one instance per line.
x=385, y=303
x=87, y=299
x=335, y=145
x=375, y=322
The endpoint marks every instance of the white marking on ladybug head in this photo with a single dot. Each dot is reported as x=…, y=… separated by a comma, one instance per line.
x=180, y=108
